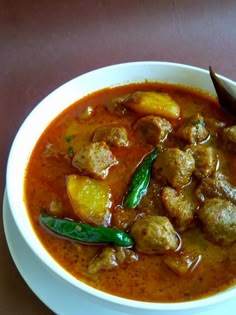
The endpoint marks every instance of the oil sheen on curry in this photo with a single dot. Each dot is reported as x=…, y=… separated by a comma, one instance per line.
x=133, y=190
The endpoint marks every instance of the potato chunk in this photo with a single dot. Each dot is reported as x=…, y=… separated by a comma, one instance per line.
x=154, y=103
x=90, y=199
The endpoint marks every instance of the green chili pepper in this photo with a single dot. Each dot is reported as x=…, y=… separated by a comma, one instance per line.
x=140, y=181
x=85, y=233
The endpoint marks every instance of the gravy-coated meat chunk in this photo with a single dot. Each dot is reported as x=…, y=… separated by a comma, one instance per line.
x=205, y=160
x=112, y=135
x=216, y=186
x=106, y=260
x=174, y=167
x=218, y=217
x=110, y=258
x=214, y=125
x=94, y=159
x=154, y=234
x=229, y=134
x=183, y=262
x=193, y=130
x=178, y=209
x=122, y=219
x=153, y=129
x=229, y=137
x=151, y=202
x=116, y=106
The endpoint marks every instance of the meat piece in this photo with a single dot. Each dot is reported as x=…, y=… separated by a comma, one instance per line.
x=106, y=260
x=218, y=217
x=125, y=255
x=193, y=130
x=229, y=137
x=123, y=218
x=174, y=167
x=94, y=159
x=183, y=262
x=110, y=258
x=151, y=202
x=154, y=234
x=117, y=107
x=153, y=129
x=178, y=209
x=214, y=125
x=216, y=186
x=112, y=135
x=205, y=160
x=229, y=134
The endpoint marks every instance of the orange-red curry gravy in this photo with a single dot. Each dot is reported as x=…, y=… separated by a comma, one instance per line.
x=206, y=266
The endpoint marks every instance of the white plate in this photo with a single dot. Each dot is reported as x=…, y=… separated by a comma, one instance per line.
x=47, y=287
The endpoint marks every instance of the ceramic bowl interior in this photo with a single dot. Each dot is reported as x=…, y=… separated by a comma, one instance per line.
x=41, y=117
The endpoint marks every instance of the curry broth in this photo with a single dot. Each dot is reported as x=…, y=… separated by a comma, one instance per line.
x=149, y=278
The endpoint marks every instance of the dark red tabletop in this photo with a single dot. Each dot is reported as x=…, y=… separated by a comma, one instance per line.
x=45, y=43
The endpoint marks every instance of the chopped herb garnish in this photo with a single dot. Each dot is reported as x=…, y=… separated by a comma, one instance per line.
x=199, y=122
x=70, y=150
x=68, y=138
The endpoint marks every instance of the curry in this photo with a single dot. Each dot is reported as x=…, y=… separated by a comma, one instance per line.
x=132, y=190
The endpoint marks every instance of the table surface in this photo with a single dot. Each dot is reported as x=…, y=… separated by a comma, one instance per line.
x=46, y=43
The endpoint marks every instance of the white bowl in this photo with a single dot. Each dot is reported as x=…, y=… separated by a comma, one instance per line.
x=41, y=117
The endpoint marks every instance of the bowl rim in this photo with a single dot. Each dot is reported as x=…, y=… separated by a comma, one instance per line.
x=50, y=262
